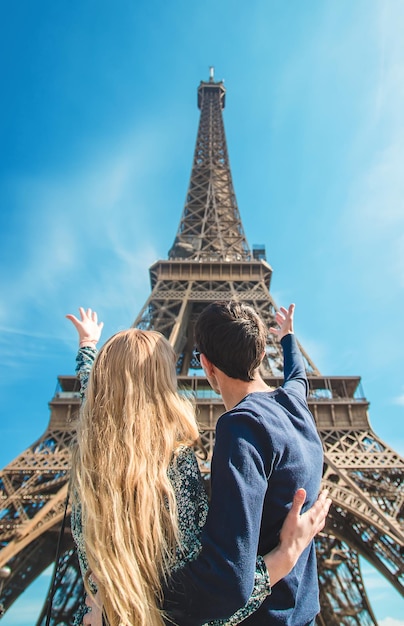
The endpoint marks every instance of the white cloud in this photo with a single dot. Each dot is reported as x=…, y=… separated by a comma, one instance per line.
x=391, y=621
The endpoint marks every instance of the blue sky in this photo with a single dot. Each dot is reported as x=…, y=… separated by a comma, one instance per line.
x=98, y=122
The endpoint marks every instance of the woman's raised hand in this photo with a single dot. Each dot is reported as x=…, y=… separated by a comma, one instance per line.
x=88, y=327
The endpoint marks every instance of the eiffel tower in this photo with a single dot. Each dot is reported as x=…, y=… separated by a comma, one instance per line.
x=211, y=260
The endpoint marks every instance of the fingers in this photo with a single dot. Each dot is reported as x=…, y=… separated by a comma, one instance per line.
x=88, y=327
x=324, y=501
x=322, y=498
x=91, y=315
x=88, y=314
x=283, y=317
x=298, y=501
x=283, y=314
x=326, y=506
x=320, y=510
x=85, y=315
x=73, y=319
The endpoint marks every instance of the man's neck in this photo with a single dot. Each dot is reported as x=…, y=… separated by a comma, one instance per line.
x=234, y=390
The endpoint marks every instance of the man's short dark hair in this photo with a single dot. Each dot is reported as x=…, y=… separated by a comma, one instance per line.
x=233, y=337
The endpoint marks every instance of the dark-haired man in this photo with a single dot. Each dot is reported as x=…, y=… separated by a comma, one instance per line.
x=266, y=447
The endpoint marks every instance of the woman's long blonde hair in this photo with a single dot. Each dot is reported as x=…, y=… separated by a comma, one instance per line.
x=130, y=425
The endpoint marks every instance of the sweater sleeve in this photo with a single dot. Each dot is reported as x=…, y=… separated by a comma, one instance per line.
x=262, y=589
x=295, y=378
x=221, y=579
x=84, y=362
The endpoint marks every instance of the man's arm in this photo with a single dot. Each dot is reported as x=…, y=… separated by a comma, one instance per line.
x=221, y=579
x=294, y=371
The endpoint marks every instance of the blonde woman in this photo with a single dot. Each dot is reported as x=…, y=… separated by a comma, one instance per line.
x=139, y=504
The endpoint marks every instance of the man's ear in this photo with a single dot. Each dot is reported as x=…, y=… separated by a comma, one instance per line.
x=207, y=365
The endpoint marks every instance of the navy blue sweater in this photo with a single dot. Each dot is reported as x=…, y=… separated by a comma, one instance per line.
x=266, y=447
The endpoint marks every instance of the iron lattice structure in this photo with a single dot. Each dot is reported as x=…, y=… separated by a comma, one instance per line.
x=211, y=260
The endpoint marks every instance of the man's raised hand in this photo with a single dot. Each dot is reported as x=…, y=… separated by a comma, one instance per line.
x=284, y=318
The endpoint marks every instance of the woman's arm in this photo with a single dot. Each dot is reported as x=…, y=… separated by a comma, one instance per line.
x=89, y=331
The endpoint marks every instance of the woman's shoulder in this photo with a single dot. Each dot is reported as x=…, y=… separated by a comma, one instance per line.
x=192, y=502
x=184, y=461
x=185, y=476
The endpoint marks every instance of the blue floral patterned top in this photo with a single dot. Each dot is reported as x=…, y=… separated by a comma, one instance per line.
x=192, y=505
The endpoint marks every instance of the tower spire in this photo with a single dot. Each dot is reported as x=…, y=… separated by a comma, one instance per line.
x=210, y=228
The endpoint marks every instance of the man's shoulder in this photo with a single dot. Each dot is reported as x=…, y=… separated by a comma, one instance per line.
x=257, y=403
x=252, y=410
x=264, y=410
